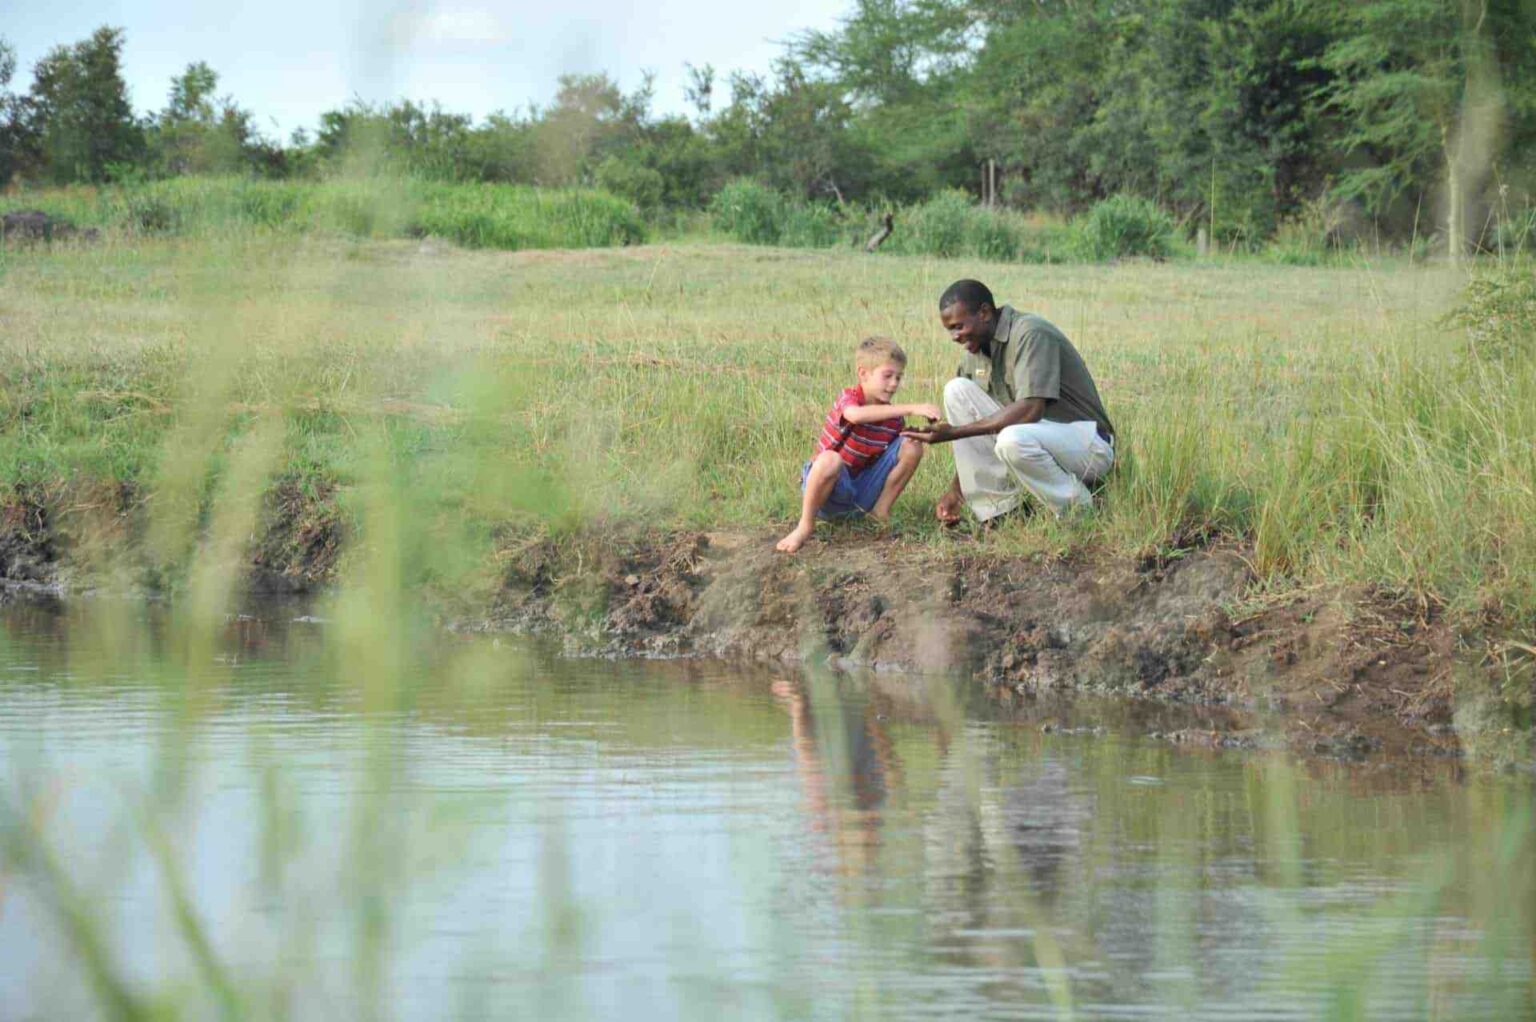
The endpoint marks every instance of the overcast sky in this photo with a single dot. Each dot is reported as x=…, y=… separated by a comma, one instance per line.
x=289, y=60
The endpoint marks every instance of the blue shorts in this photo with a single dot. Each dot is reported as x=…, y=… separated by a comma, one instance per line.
x=854, y=495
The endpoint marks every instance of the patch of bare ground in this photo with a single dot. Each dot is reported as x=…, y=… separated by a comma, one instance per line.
x=1342, y=671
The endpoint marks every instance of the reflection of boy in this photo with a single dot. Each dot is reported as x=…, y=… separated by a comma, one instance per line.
x=861, y=463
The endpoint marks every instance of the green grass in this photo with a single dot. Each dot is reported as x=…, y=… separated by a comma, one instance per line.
x=1327, y=418
x=473, y=215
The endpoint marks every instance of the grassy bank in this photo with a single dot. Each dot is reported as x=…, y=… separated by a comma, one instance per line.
x=163, y=399
x=473, y=215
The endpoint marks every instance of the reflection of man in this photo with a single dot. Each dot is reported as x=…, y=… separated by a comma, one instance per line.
x=1023, y=413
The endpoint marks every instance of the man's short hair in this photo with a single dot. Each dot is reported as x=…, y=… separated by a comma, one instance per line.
x=973, y=294
x=874, y=352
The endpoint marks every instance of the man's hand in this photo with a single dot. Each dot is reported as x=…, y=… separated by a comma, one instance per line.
x=938, y=433
x=947, y=510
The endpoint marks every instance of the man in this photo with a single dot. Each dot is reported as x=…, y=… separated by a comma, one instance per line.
x=1023, y=412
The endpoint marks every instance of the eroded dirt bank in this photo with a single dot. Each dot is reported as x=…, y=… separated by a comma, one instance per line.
x=1339, y=671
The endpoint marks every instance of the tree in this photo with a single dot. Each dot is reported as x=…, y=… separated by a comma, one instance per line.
x=198, y=133
x=79, y=110
x=1418, y=86
x=899, y=65
x=407, y=137
x=17, y=147
x=590, y=120
x=1038, y=82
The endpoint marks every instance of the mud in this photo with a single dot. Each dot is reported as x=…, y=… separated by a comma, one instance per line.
x=28, y=551
x=73, y=536
x=1344, y=671
x=1339, y=671
x=302, y=533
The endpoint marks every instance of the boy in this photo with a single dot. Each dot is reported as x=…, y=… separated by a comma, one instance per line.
x=862, y=463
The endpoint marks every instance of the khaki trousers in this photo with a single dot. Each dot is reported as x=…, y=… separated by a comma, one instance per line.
x=1051, y=460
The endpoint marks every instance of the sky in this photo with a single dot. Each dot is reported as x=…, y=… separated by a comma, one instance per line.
x=287, y=61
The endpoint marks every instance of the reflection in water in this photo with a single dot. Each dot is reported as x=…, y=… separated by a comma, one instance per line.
x=1045, y=818
x=254, y=823
x=846, y=771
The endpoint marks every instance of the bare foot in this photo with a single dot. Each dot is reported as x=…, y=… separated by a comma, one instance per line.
x=794, y=541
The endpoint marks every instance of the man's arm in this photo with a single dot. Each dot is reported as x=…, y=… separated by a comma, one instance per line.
x=860, y=415
x=1029, y=409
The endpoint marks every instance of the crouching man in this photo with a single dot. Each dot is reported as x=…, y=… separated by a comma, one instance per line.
x=1023, y=413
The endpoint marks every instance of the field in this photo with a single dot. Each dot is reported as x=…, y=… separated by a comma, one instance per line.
x=402, y=421
x=167, y=399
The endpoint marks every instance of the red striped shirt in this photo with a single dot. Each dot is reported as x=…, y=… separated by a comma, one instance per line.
x=856, y=445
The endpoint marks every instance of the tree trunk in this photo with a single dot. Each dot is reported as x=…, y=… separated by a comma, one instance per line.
x=1455, y=230
x=887, y=225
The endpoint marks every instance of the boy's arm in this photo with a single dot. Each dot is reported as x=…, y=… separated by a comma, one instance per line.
x=860, y=415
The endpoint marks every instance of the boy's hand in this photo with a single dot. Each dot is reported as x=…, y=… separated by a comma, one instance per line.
x=933, y=413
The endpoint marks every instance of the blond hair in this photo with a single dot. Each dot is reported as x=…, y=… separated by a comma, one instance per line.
x=874, y=352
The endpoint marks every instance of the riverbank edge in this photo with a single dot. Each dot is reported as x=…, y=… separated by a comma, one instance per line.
x=1336, y=670
x=1332, y=670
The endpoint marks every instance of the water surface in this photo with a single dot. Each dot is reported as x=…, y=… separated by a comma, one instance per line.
x=270, y=822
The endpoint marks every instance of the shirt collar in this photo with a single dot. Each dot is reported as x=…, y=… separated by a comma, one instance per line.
x=1004, y=325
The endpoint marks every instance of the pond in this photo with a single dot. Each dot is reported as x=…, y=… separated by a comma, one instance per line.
x=272, y=817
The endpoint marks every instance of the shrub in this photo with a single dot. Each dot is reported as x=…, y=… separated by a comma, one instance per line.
x=810, y=225
x=1498, y=312
x=479, y=215
x=367, y=208
x=270, y=204
x=1514, y=235
x=642, y=185
x=150, y=212
x=950, y=224
x=749, y=211
x=1125, y=225
x=515, y=217
x=938, y=227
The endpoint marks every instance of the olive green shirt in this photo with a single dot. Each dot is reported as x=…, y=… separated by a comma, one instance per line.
x=1031, y=358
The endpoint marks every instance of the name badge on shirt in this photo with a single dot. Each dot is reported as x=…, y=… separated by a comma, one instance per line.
x=982, y=375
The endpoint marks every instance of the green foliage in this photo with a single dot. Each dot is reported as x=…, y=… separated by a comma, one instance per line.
x=811, y=225
x=474, y=215
x=80, y=111
x=951, y=224
x=199, y=133
x=946, y=226
x=508, y=217
x=1126, y=225
x=1514, y=234
x=938, y=226
x=1498, y=313
x=749, y=211
x=639, y=184
x=16, y=142
x=1232, y=116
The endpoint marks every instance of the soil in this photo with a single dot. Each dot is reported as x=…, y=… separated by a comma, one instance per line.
x=35, y=225
x=28, y=553
x=1343, y=671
